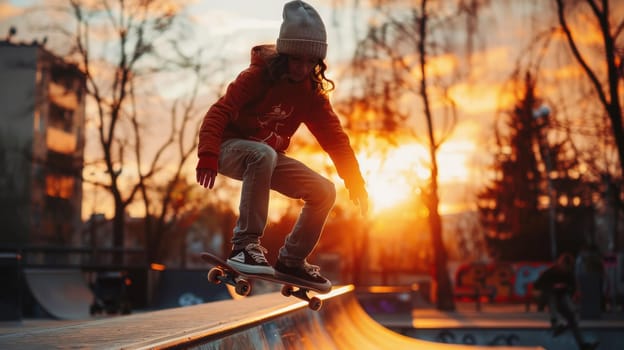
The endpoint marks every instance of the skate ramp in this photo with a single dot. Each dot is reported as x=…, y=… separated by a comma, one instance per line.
x=341, y=324
x=64, y=294
x=268, y=321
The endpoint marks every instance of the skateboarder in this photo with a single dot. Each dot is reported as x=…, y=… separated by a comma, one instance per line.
x=245, y=134
x=558, y=285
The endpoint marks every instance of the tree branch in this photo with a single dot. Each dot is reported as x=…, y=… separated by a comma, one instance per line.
x=577, y=54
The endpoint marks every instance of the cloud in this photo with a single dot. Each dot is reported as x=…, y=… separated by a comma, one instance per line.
x=237, y=17
x=8, y=10
x=221, y=22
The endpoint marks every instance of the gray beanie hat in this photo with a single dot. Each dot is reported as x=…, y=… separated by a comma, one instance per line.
x=302, y=31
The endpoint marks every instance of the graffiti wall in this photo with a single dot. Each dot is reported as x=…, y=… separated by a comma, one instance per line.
x=512, y=281
x=508, y=281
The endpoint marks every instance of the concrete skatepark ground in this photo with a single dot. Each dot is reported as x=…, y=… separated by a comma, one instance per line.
x=501, y=324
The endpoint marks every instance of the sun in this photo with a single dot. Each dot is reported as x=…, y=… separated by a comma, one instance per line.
x=392, y=176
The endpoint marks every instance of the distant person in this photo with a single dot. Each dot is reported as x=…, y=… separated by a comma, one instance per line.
x=591, y=275
x=558, y=285
x=245, y=133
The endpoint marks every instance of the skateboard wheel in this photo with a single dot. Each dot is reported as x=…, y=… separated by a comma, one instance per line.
x=315, y=303
x=214, y=274
x=287, y=291
x=243, y=288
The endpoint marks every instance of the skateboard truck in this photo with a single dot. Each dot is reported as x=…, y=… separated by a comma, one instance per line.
x=217, y=275
x=314, y=303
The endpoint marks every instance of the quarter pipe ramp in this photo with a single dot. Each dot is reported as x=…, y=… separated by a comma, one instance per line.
x=64, y=294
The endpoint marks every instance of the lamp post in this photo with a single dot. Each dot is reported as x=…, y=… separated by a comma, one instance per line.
x=543, y=112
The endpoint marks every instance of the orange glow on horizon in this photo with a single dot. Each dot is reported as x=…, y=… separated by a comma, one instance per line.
x=8, y=10
x=392, y=178
x=394, y=175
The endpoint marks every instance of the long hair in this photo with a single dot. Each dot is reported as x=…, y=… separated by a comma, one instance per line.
x=277, y=66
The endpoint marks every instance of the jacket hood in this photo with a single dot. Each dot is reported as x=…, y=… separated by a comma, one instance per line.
x=261, y=53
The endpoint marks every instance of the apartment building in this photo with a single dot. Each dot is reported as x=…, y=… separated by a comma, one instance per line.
x=42, y=137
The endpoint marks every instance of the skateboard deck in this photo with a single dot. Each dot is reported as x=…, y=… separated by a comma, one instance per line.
x=222, y=272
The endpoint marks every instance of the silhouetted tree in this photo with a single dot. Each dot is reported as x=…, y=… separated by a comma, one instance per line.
x=586, y=105
x=163, y=186
x=606, y=83
x=509, y=208
x=123, y=47
x=538, y=190
x=603, y=66
x=112, y=65
x=393, y=73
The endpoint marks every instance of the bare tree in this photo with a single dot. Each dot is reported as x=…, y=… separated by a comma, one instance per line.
x=605, y=76
x=118, y=43
x=396, y=67
x=590, y=111
x=606, y=83
x=164, y=201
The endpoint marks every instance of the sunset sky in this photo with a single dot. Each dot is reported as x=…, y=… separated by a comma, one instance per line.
x=506, y=29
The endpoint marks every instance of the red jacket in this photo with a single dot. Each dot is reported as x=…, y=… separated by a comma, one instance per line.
x=254, y=105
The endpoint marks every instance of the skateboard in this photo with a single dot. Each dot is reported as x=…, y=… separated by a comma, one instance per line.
x=222, y=272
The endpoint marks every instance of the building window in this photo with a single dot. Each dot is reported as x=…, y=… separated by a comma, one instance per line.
x=60, y=141
x=61, y=118
x=60, y=186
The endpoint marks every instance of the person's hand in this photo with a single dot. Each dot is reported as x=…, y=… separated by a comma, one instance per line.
x=206, y=171
x=206, y=177
x=359, y=196
x=276, y=141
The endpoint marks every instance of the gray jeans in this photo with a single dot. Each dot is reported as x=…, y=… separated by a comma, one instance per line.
x=262, y=169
